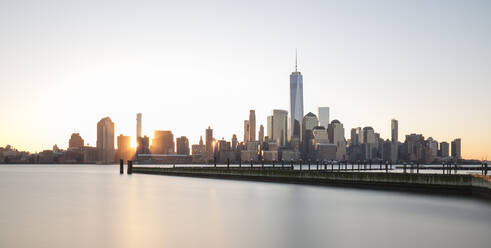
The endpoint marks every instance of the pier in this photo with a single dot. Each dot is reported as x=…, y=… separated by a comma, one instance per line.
x=463, y=184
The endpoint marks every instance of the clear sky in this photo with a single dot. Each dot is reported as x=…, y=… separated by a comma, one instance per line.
x=185, y=65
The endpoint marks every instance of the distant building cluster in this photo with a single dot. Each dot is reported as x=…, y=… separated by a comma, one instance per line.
x=366, y=145
x=290, y=136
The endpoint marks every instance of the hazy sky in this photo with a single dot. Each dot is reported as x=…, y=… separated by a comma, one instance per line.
x=185, y=65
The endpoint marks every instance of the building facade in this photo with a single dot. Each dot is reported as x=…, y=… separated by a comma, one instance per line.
x=124, y=148
x=277, y=127
x=296, y=104
x=138, y=126
x=182, y=145
x=394, y=130
x=368, y=143
x=162, y=142
x=246, y=130
x=105, y=141
x=252, y=125
x=76, y=141
x=431, y=150
x=444, y=150
x=323, y=115
x=335, y=132
x=143, y=145
x=457, y=149
x=261, y=134
x=414, y=147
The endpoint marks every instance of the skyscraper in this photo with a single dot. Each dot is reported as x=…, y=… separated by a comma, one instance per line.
x=261, y=133
x=124, y=150
x=414, y=147
x=138, y=126
x=394, y=128
x=235, y=142
x=182, y=145
x=277, y=126
x=335, y=132
x=296, y=103
x=246, y=130
x=356, y=136
x=368, y=143
x=105, y=141
x=139, y=139
x=444, y=149
x=323, y=114
x=456, y=149
x=430, y=150
x=143, y=145
x=252, y=125
x=394, y=147
x=209, y=141
x=368, y=135
x=309, y=122
x=162, y=142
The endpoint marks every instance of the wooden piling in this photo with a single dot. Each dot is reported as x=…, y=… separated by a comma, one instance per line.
x=130, y=167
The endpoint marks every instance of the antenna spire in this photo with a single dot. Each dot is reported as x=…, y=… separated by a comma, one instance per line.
x=295, y=60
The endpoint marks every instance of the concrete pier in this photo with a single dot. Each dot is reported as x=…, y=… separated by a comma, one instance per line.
x=465, y=184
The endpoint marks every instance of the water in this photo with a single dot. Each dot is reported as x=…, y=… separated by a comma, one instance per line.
x=94, y=206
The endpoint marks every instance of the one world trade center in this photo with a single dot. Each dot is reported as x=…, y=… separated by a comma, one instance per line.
x=296, y=103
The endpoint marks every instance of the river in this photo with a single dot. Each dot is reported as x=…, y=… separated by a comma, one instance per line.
x=95, y=206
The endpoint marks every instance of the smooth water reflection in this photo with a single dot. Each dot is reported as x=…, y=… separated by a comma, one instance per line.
x=94, y=206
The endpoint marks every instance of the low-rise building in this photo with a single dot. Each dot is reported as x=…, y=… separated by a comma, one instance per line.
x=270, y=155
x=326, y=151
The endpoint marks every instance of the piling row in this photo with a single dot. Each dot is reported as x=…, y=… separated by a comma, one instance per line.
x=130, y=167
x=411, y=168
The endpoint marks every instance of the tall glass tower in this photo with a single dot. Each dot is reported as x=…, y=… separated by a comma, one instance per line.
x=296, y=103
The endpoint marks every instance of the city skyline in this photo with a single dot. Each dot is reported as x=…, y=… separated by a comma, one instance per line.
x=249, y=129
x=79, y=71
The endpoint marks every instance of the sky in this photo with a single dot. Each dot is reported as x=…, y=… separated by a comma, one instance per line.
x=187, y=65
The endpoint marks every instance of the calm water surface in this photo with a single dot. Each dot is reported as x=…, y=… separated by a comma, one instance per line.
x=94, y=206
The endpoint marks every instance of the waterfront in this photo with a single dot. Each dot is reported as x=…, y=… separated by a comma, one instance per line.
x=90, y=205
x=396, y=168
